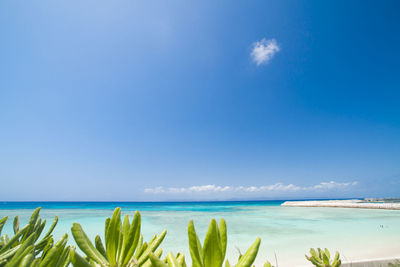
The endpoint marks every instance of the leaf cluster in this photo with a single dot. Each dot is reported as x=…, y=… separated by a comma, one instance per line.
x=124, y=245
x=25, y=248
x=322, y=258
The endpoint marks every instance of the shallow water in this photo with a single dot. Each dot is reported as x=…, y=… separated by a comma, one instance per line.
x=287, y=232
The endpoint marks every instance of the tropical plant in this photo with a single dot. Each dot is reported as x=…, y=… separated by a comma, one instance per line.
x=268, y=264
x=56, y=255
x=22, y=248
x=169, y=261
x=395, y=264
x=212, y=254
x=321, y=258
x=213, y=251
x=124, y=246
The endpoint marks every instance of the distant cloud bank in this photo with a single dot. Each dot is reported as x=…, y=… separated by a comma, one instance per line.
x=278, y=187
x=264, y=50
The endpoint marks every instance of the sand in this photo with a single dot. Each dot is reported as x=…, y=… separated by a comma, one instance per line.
x=355, y=203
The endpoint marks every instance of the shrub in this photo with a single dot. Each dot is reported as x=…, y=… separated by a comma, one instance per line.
x=321, y=258
x=213, y=251
x=22, y=249
x=124, y=247
x=124, y=244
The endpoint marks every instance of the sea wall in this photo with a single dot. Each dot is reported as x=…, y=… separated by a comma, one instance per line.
x=343, y=204
x=383, y=262
x=371, y=263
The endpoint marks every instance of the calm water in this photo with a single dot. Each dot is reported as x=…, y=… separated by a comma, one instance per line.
x=287, y=232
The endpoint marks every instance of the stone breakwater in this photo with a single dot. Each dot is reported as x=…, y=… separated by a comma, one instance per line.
x=343, y=204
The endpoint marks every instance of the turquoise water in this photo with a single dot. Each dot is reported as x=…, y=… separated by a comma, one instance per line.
x=287, y=232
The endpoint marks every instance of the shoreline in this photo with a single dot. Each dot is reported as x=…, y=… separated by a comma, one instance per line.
x=374, y=262
x=355, y=203
x=371, y=262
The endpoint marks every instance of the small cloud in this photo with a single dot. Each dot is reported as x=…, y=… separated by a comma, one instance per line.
x=333, y=185
x=278, y=187
x=264, y=50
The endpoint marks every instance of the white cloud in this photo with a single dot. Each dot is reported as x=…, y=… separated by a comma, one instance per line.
x=333, y=185
x=264, y=50
x=278, y=187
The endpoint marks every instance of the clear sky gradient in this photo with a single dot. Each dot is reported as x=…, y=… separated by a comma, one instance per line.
x=164, y=100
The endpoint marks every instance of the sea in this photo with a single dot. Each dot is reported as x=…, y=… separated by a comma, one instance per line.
x=287, y=233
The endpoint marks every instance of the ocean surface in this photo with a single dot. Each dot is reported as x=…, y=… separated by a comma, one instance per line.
x=286, y=232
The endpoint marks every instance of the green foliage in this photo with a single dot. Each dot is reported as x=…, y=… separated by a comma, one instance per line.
x=321, y=258
x=169, y=261
x=396, y=264
x=124, y=244
x=213, y=252
x=268, y=264
x=24, y=249
x=124, y=247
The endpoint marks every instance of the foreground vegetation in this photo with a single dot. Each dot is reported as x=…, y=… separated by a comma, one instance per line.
x=124, y=246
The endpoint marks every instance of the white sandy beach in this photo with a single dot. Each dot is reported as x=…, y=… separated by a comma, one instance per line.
x=354, y=203
x=365, y=256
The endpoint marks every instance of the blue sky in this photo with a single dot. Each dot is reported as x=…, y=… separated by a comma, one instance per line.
x=169, y=100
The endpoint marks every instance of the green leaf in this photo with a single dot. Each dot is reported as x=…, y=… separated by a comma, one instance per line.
x=156, y=262
x=51, y=258
x=181, y=260
x=212, y=251
x=99, y=246
x=139, y=247
x=224, y=237
x=337, y=263
x=39, y=228
x=337, y=255
x=47, y=247
x=171, y=260
x=152, y=247
x=325, y=258
x=147, y=263
x=36, y=262
x=16, y=225
x=123, y=239
x=32, y=223
x=319, y=253
x=78, y=261
x=9, y=253
x=4, y=240
x=27, y=260
x=195, y=246
x=2, y=223
x=64, y=259
x=316, y=263
x=53, y=225
x=86, y=246
x=106, y=225
x=56, y=253
x=315, y=255
x=113, y=235
x=14, y=239
x=227, y=264
x=132, y=238
x=250, y=255
x=26, y=248
x=327, y=253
